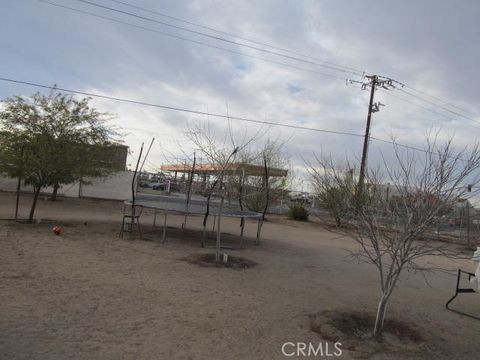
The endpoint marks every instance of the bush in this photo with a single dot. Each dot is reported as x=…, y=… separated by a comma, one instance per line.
x=298, y=212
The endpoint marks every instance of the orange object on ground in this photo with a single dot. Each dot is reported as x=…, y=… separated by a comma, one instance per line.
x=57, y=230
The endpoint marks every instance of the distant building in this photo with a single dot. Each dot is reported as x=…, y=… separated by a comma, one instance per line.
x=113, y=154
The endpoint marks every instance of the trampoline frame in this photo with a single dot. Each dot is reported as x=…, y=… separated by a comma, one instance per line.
x=157, y=207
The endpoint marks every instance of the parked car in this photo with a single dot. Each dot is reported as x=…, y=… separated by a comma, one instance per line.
x=162, y=186
x=158, y=186
x=155, y=185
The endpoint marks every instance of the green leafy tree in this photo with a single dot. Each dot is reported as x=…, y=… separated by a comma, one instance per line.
x=52, y=140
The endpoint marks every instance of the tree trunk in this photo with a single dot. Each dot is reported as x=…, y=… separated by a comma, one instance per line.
x=267, y=189
x=218, y=244
x=19, y=184
x=34, y=204
x=381, y=310
x=55, y=191
x=205, y=218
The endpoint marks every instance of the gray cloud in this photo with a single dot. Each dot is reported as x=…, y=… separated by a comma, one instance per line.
x=430, y=45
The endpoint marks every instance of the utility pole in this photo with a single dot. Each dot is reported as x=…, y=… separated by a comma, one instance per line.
x=361, y=178
x=374, y=82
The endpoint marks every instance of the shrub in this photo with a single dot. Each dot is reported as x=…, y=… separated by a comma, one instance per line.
x=298, y=212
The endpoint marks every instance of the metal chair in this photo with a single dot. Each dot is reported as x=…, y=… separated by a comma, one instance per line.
x=459, y=290
x=131, y=219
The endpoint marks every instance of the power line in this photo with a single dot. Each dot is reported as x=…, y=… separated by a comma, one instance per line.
x=166, y=107
x=331, y=67
x=242, y=54
x=424, y=108
x=399, y=144
x=223, y=49
x=438, y=99
x=416, y=104
x=248, y=46
x=439, y=106
x=383, y=83
x=192, y=41
x=276, y=48
x=173, y=108
x=218, y=38
x=234, y=35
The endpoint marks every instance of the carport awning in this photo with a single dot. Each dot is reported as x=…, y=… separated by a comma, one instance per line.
x=235, y=168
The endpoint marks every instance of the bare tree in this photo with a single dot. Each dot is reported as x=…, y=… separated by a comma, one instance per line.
x=334, y=187
x=391, y=226
x=257, y=193
x=391, y=231
x=221, y=155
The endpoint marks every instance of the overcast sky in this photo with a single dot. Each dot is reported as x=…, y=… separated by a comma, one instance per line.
x=431, y=46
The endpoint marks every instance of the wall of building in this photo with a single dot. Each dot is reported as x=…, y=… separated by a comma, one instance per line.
x=115, y=187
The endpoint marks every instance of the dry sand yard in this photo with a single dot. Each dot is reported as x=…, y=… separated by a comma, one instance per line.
x=89, y=294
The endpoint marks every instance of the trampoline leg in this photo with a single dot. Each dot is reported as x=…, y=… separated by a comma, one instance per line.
x=132, y=222
x=122, y=230
x=139, y=228
x=242, y=225
x=184, y=224
x=204, y=235
x=214, y=220
x=164, y=228
x=259, y=229
x=219, y=239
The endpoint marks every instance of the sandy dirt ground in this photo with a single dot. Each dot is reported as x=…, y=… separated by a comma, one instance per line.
x=89, y=294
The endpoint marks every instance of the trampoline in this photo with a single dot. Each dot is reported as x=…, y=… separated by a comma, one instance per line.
x=188, y=205
x=171, y=205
